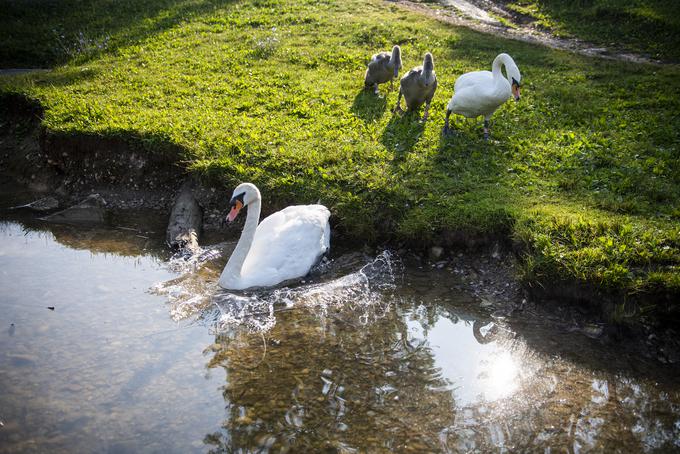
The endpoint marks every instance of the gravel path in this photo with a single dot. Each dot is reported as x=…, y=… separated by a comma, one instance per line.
x=479, y=15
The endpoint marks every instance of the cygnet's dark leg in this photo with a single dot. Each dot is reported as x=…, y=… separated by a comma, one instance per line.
x=427, y=111
x=397, y=107
x=486, y=129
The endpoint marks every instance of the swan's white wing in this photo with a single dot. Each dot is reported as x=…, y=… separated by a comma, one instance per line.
x=469, y=103
x=287, y=244
x=473, y=78
x=475, y=94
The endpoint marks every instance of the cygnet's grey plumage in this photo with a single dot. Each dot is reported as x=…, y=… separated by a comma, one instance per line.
x=418, y=87
x=383, y=67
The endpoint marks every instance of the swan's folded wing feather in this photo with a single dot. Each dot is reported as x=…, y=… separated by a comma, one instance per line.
x=473, y=78
x=476, y=96
x=287, y=244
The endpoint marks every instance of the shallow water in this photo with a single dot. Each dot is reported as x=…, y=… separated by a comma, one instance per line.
x=141, y=354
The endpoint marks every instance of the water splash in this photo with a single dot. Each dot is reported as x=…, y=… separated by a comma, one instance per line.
x=184, y=262
x=364, y=290
x=195, y=292
x=190, y=291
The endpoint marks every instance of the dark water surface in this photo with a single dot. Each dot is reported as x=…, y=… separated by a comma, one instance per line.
x=139, y=355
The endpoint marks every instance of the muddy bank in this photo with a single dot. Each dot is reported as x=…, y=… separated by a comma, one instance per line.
x=127, y=172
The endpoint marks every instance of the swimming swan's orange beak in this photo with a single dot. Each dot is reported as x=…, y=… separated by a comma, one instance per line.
x=235, y=208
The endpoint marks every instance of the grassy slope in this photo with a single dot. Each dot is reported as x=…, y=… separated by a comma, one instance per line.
x=584, y=170
x=648, y=26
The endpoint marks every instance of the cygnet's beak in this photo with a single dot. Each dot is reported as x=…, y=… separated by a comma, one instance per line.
x=236, y=206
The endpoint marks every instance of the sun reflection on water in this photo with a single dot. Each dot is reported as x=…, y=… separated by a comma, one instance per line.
x=502, y=375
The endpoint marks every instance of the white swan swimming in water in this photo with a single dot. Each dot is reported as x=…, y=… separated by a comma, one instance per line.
x=482, y=92
x=283, y=246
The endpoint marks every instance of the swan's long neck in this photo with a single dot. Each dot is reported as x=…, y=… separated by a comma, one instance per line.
x=235, y=263
x=500, y=60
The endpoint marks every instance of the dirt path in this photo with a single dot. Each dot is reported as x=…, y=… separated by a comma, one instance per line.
x=480, y=15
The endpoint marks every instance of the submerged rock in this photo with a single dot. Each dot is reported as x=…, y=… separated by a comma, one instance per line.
x=435, y=253
x=89, y=211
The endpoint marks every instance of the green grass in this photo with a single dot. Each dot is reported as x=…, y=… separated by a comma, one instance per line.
x=41, y=33
x=584, y=172
x=651, y=27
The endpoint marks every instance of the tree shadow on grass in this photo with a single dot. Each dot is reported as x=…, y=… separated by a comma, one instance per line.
x=402, y=133
x=64, y=76
x=368, y=106
x=56, y=32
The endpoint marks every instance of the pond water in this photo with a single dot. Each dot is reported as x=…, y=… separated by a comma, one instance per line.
x=141, y=353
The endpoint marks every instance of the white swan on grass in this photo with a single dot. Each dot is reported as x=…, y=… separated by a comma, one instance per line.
x=283, y=246
x=480, y=93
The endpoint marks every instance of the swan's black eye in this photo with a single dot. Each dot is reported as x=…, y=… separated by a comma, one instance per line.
x=514, y=82
x=239, y=198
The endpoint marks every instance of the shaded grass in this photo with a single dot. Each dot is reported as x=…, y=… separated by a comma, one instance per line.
x=648, y=26
x=42, y=33
x=615, y=252
x=584, y=171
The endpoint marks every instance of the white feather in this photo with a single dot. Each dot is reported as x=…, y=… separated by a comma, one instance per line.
x=481, y=93
x=284, y=246
x=287, y=244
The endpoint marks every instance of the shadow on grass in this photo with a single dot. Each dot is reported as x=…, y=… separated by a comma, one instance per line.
x=648, y=26
x=64, y=77
x=402, y=133
x=466, y=141
x=56, y=32
x=368, y=106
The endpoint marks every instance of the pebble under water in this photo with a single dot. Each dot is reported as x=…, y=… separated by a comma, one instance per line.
x=143, y=353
